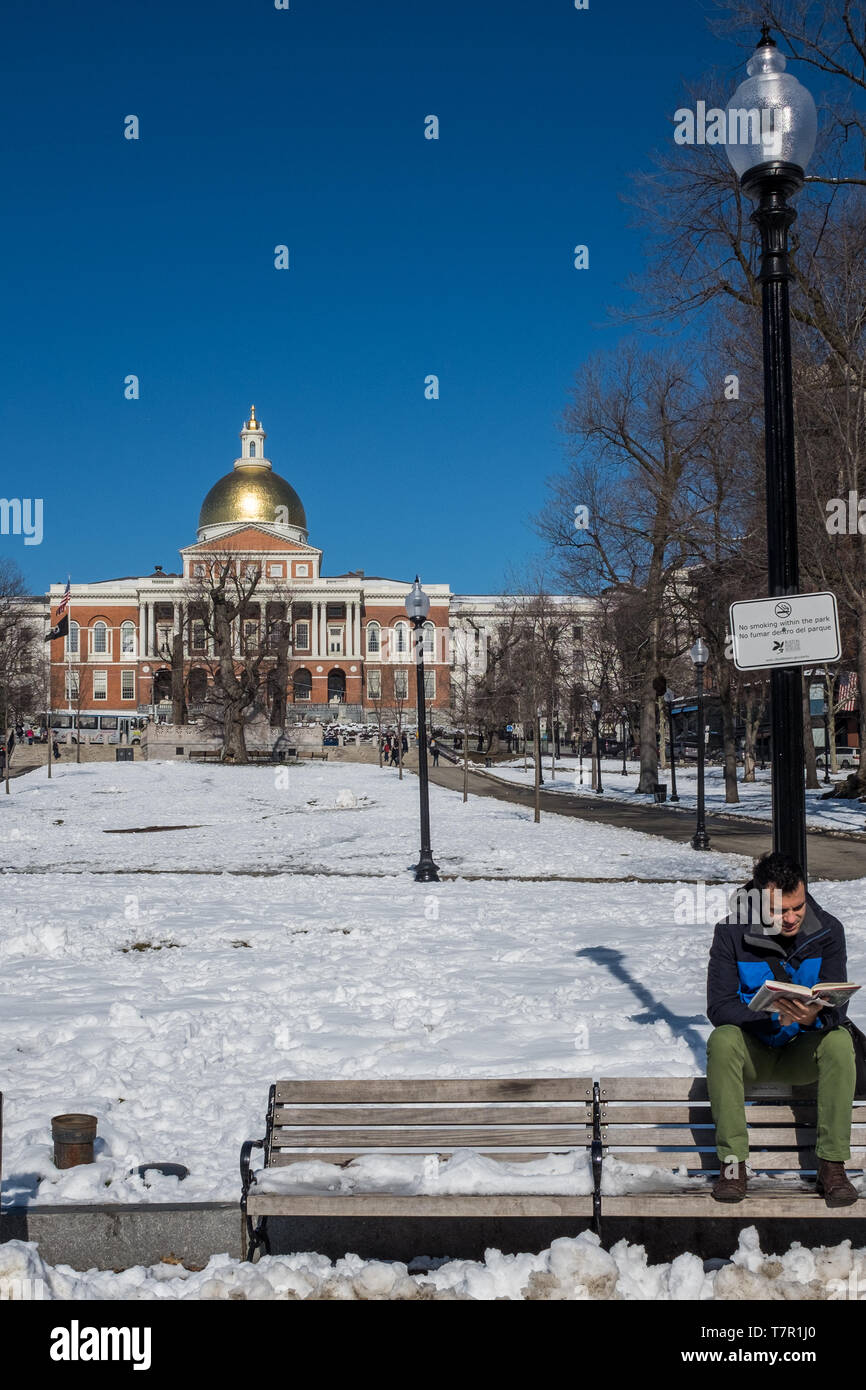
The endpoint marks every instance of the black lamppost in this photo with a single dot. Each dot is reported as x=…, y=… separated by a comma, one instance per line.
x=596, y=710
x=699, y=655
x=826, y=713
x=418, y=606
x=624, y=717
x=771, y=167
x=669, y=701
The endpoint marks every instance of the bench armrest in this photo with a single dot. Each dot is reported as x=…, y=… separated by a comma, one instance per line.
x=248, y=1177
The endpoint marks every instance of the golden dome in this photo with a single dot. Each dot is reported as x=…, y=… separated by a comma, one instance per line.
x=252, y=493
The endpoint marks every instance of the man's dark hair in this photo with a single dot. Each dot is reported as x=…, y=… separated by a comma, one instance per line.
x=781, y=870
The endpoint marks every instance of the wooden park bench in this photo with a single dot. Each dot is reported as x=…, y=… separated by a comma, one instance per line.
x=314, y=754
x=663, y=1123
x=336, y=1121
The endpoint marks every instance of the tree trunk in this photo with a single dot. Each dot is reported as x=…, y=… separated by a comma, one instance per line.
x=280, y=677
x=179, y=712
x=809, y=741
x=649, y=759
x=729, y=741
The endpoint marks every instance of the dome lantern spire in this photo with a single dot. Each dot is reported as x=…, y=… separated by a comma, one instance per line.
x=252, y=444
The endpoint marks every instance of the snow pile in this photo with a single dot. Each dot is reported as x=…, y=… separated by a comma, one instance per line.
x=571, y=1269
x=465, y=1172
x=345, y=799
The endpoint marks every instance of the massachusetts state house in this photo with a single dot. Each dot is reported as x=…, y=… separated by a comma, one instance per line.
x=350, y=645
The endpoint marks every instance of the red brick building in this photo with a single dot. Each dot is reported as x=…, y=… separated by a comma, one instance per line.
x=350, y=635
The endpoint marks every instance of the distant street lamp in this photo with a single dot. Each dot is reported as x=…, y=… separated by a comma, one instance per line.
x=826, y=714
x=771, y=168
x=596, y=710
x=418, y=606
x=669, y=701
x=624, y=717
x=700, y=655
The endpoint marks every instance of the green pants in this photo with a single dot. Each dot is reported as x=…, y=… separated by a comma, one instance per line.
x=736, y=1060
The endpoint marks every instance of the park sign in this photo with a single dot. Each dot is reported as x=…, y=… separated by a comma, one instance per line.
x=792, y=630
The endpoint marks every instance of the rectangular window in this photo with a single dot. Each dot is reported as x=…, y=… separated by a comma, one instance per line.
x=401, y=685
x=72, y=639
x=100, y=685
x=577, y=632
x=72, y=685
x=275, y=571
x=429, y=684
x=100, y=639
x=302, y=571
x=198, y=635
x=198, y=570
x=374, y=685
x=335, y=639
x=302, y=636
x=127, y=685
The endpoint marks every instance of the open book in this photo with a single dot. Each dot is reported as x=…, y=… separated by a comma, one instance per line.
x=773, y=990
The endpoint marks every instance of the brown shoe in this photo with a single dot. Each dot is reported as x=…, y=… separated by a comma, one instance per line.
x=730, y=1185
x=833, y=1184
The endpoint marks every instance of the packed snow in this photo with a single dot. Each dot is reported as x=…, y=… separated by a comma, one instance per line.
x=263, y=922
x=570, y=1269
x=755, y=797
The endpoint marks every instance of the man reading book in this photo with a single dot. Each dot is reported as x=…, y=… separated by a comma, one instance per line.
x=778, y=931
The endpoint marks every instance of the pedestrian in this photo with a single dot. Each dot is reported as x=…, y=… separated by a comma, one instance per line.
x=30, y=737
x=2, y=758
x=55, y=749
x=395, y=754
x=404, y=743
x=778, y=931
x=10, y=742
x=434, y=749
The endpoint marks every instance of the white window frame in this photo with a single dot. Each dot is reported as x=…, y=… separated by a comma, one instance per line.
x=335, y=641
x=401, y=639
x=98, y=632
x=73, y=648
x=374, y=639
x=103, y=694
x=374, y=684
x=125, y=678
x=429, y=640
x=401, y=684
x=302, y=571
x=275, y=571
x=302, y=646
x=127, y=638
x=73, y=683
x=429, y=684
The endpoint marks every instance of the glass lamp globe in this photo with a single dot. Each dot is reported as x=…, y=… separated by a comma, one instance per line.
x=771, y=117
x=699, y=653
x=595, y=707
x=417, y=602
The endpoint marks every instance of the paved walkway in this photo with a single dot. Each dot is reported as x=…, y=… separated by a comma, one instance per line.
x=835, y=855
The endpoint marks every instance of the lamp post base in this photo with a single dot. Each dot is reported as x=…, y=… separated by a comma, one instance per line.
x=426, y=871
x=700, y=840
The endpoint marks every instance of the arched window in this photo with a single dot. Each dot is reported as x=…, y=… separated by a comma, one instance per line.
x=72, y=646
x=429, y=631
x=402, y=634
x=252, y=448
x=127, y=639
x=100, y=638
x=302, y=685
x=373, y=639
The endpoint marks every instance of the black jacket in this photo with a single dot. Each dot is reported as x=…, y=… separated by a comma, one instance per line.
x=739, y=965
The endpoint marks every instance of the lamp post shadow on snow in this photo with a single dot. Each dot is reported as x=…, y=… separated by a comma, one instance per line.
x=680, y=1024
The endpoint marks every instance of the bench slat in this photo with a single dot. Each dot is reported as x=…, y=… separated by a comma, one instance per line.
x=426, y=1090
x=764, y=1159
x=696, y=1204
x=701, y=1114
x=382, y=1204
x=473, y=1114
x=281, y=1157
x=569, y=1136
x=759, y=1136
x=660, y=1088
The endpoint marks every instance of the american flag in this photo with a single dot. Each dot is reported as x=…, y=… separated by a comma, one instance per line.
x=64, y=602
x=846, y=694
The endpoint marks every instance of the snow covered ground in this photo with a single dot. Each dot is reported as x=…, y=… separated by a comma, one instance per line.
x=277, y=930
x=755, y=797
x=569, y=1269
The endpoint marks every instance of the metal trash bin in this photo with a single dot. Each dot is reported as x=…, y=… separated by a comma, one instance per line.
x=73, y=1137
x=125, y=755
x=661, y=792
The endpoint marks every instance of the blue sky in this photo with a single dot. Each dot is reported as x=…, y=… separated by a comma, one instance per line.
x=408, y=257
